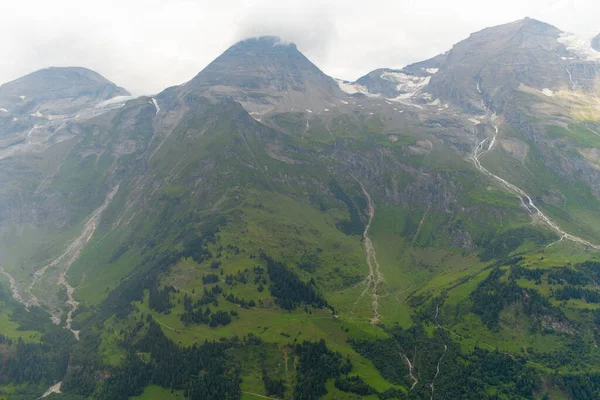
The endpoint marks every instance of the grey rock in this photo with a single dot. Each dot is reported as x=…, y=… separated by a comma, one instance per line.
x=57, y=91
x=491, y=64
x=377, y=83
x=596, y=43
x=34, y=108
x=265, y=74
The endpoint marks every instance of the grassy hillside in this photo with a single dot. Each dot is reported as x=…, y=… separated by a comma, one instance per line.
x=233, y=255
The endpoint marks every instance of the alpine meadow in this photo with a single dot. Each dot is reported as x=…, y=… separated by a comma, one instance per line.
x=265, y=231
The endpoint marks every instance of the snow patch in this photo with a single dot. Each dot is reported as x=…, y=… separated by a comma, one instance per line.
x=408, y=85
x=353, y=88
x=475, y=121
x=308, y=111
x=3, y=110
x=547, y=92
x=22, y=97
x=580, y=44
x=403, y=99
x=38, y=114
x=343, y=102
x=327, y=109
x=432, y=70
x=155, y=105
x=115, y=101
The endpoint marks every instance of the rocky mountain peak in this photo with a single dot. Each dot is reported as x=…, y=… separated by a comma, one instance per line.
x=57, y=90
x=265, y=74
x=36, y=106
x=493, y=60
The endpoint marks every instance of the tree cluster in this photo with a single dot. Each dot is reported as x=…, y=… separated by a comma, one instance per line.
x=288, y=289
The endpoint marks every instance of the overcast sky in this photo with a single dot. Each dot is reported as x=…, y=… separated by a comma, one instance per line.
x=147, y=45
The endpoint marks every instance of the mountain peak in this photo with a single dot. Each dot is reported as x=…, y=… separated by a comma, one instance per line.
x=56, y=91
x=499, y=58
x=253, y=62
x=58, y=83
x=265, y=43
x=58, y=78
x=527, y=31
x=531, y=22
x=264, y=74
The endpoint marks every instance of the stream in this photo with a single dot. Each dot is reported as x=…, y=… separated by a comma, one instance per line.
x=487, y=145
x=375, y=277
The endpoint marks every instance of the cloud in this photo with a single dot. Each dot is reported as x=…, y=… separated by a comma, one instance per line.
x=148, y=45
x=310, y=24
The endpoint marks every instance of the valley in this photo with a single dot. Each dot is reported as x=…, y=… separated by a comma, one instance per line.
x=264, y=230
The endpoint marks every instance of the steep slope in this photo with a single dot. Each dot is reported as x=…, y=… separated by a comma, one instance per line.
x=596, y=43
x=43, y=121
x=537, y=79
x=491, y=64
x=402, y=84
x=34, y=107
x=57, y=91
x=266, y=75
x=496, y=60
x=413, y=247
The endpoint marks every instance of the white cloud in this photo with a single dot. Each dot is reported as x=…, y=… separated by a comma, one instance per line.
x=148, y=45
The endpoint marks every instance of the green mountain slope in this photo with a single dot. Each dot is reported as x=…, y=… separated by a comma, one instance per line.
x=206, y=244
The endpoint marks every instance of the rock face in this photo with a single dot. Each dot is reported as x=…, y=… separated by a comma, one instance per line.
x=265, y=74
x=491, y=64
x=404, y=83
x=496, y=60
x=34, y=108
x=57, y=91
x=596, y=43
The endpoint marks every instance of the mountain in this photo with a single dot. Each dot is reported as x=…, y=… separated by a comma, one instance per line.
x=596, y=43
x=264, y=230
x=401, y=84
x=498, y=59
x=494, y=61
x=33, y=106
x=56, y=91
x=266, y=75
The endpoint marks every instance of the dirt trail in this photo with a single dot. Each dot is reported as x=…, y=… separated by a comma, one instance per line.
x=437, y=372
x=420, y=225
x=13, y=287
x=526, y=200
x=52, y=389
x=375, y=277
x=410, y=371
x=67, y=258
x=286, y=359
x=260, y=395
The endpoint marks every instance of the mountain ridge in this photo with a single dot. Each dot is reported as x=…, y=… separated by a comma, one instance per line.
x=269, y=234
x=58, y=83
